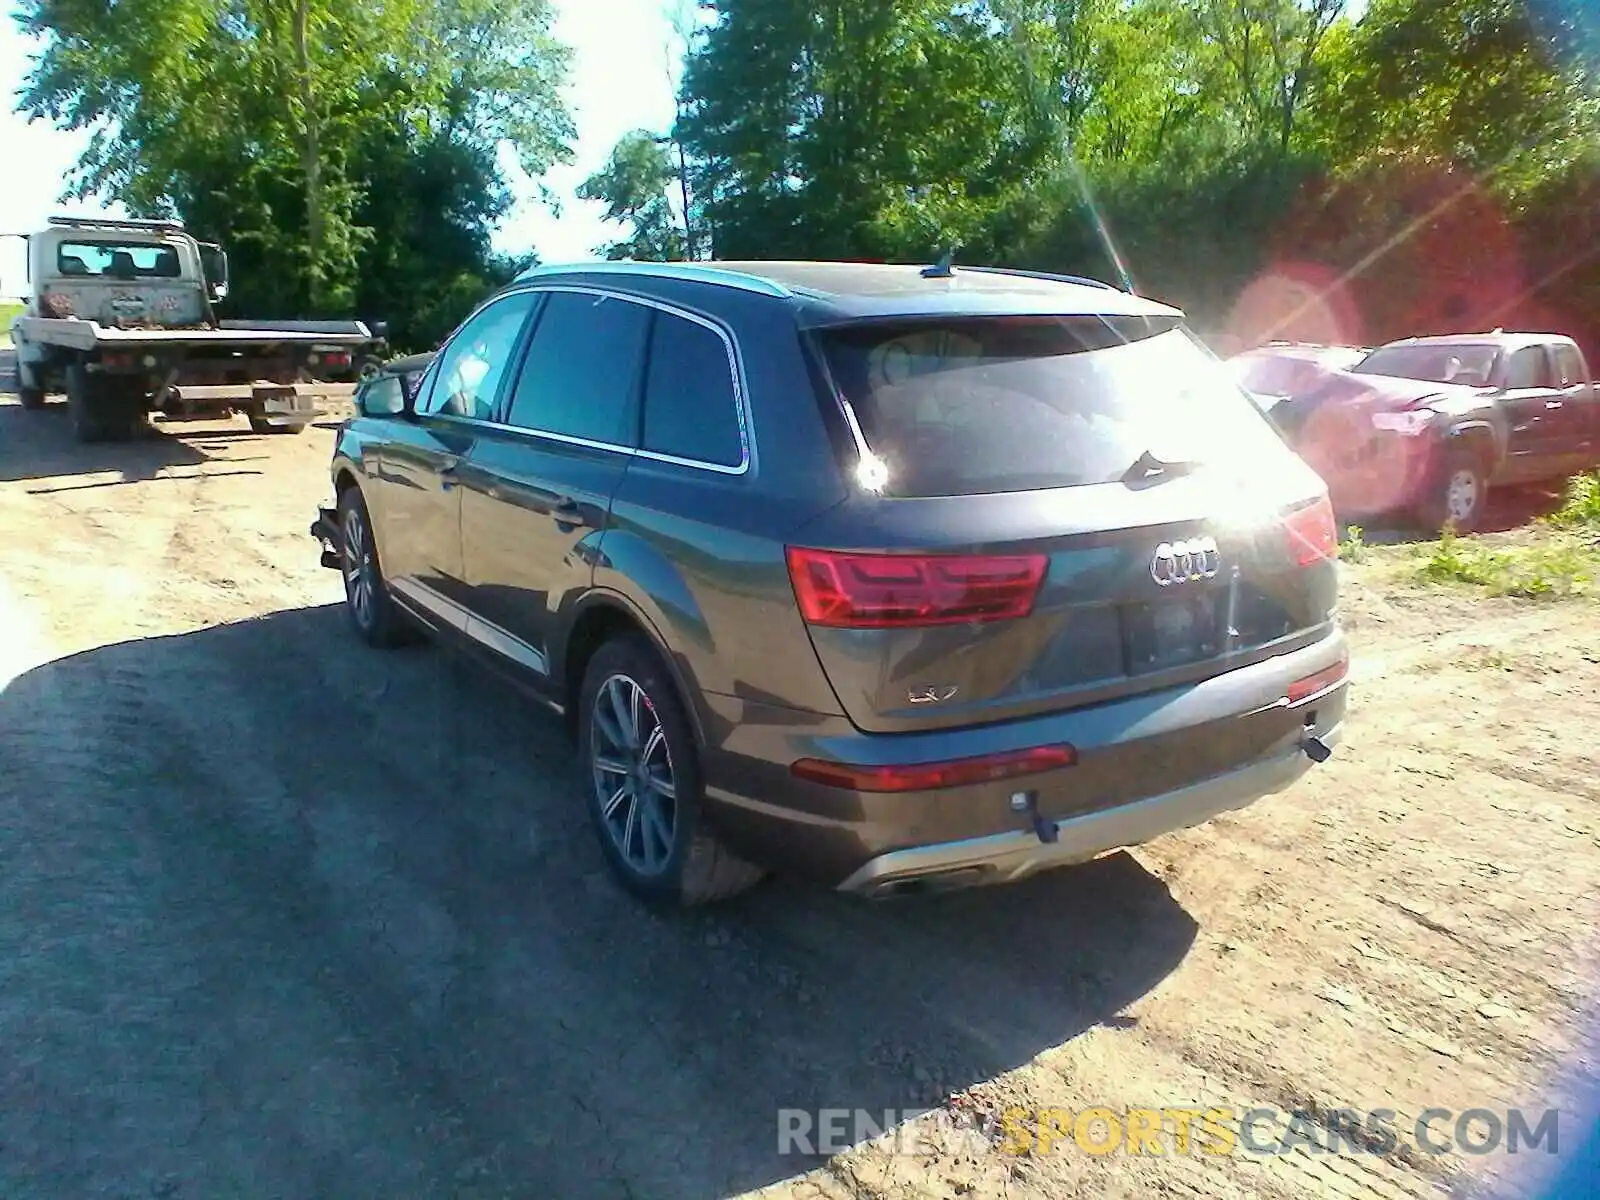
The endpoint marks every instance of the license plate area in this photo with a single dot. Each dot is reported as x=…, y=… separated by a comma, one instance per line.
x=1174, y=632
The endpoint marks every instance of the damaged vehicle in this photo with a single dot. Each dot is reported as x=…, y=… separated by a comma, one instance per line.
x=1428, y=426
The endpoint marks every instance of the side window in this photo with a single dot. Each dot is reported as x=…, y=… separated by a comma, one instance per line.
x=467, y=376
x=1569, y=366
x=581, y=376
x=691, y=409
x=1527, y=369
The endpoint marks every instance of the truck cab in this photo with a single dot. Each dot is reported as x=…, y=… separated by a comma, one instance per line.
x=124, y=274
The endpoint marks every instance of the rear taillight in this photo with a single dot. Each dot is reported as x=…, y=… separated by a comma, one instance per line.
x=921, y=777
x=846, y=590
x=1311, y=533
x=1311, y=685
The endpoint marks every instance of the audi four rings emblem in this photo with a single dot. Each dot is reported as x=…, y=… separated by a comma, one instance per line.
x=1185, y=562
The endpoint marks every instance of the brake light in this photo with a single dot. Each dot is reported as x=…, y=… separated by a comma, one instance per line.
x=1311, y=533
x=846, y=590
x=1324, y=679
x=921, y=777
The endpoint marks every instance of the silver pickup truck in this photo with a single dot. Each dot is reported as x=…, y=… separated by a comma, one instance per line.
x=120, y=316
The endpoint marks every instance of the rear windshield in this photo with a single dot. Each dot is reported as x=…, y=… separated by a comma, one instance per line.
x=968, y=407
x=1433, y=363
x=118, y=260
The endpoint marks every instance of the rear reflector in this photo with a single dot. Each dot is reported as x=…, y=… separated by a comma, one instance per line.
x=846, y=590
x=1311, y=685
x=1312, y=534
x=920, y=777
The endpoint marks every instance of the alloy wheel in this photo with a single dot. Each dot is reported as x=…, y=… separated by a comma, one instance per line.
x=360, y=587
x=633, y=777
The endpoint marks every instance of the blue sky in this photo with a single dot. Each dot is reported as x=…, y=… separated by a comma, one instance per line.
x=623, y=78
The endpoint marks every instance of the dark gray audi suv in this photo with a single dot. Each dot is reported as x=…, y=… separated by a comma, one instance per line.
x=898, y=578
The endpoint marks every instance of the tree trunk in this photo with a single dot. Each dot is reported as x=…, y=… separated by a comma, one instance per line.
x=310, y=156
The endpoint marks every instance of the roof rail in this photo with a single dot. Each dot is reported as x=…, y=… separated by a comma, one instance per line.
x=124, y=223
x=1081, y=280
x=693, y=272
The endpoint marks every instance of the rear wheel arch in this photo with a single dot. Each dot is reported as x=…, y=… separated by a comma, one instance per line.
x=603, y=617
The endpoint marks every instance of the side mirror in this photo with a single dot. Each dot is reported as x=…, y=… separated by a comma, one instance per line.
x=214, y=265
x=382, y=396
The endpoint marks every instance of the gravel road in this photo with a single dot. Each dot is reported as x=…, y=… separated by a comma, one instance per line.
x=282, y=916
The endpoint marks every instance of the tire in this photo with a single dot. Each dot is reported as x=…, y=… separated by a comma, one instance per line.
x=654, y=841
x=1459, y=494
x=367, y=602
x=103, y=410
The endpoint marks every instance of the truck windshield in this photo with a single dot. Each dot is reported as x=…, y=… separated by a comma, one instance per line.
x=1468, y=364
x=118, y=260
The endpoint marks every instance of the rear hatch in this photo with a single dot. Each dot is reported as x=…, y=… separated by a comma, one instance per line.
x=1052, y=513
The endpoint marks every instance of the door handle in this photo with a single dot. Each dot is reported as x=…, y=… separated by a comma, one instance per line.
x=1552, y=403
x=568, y=513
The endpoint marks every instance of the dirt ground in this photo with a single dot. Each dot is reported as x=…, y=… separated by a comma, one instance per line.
x=281, y=916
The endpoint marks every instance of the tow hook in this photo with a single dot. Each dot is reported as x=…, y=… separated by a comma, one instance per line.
x=1027, y=803
x=1317, y=750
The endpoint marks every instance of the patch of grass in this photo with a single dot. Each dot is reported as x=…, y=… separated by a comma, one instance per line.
x=1545, y=569
x=9, y=309
x=1580, y=508
x=1354, y=547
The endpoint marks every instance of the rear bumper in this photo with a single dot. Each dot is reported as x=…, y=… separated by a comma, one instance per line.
x=1145, y=765
x=1006, y=857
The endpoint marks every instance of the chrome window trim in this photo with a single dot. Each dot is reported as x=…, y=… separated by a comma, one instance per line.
x=741, y=401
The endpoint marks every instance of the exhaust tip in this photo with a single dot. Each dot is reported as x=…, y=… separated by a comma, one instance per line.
x=1317, y=750
x=953, y=879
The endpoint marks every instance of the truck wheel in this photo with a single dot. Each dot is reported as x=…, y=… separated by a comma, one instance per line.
x=643, y=783
x=103, y=410
x=29, y=393
x=1460, y=493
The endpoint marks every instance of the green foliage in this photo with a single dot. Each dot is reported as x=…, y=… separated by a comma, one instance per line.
x=1580, y=507
x=345, y=153
x=1353, y=549
x=635, y=185
x=1539, y=570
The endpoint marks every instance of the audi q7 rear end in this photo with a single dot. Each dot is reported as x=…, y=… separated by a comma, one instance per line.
x=894, y=578
x=1076, y=593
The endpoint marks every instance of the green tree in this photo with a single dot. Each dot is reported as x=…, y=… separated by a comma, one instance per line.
x=269, y=125
x=635, y=185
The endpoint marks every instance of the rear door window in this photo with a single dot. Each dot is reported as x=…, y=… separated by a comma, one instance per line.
x=1528, y=368
x=973, y=406
x=1569, y=366
x=691, y=406
x=581, y=377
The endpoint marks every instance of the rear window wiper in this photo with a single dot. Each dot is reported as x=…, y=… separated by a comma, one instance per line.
x=1148, y=465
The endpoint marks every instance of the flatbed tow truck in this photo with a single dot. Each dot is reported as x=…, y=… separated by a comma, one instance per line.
x=120, y=316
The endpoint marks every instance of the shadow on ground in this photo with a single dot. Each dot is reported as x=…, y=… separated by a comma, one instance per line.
x=343, y=930
x=39, y=445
